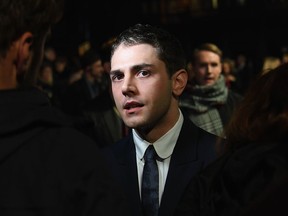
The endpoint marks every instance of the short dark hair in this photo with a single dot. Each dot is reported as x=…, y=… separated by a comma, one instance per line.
x=19, y=16
x=169, y=48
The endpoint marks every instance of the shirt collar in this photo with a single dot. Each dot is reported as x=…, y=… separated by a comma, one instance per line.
x=164, y=145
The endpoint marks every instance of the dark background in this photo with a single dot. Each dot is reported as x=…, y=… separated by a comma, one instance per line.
x=254, y=27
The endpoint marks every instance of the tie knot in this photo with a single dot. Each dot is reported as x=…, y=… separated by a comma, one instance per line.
x=150, y=153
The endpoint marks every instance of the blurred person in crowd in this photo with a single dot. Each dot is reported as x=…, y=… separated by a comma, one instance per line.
x=253, y=170
x=47, y=167
x=228, y=71
x=90, y=103
x=80, y=95
x=148, y=76
x=244, y=71
x=50, y=55
x=270, y=62
x=76, y=72
x=208, y=101
x=61, y=74
x=45, y=79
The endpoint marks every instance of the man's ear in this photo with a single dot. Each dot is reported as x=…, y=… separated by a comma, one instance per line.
x=24, y=47
x=179, y=81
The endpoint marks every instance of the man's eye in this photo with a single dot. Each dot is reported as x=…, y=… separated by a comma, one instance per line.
x=143, y=73
x=117, y=77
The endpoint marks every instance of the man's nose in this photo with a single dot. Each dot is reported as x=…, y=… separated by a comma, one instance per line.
x=209, y=69
x=128, y=86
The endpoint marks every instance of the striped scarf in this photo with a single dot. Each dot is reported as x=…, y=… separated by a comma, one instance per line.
x=203, y=102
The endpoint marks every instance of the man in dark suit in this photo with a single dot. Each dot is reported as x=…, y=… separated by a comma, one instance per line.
x=148, y=75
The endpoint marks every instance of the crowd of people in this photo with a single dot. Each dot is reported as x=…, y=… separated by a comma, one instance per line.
x=144, y=130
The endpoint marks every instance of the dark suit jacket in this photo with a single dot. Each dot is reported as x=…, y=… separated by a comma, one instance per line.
x=194, y=149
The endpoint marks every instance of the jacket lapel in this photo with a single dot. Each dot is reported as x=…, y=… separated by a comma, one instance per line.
x=183, y=165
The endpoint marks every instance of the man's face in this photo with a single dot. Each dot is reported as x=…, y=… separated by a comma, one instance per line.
x=207, y=67
x=141, y=87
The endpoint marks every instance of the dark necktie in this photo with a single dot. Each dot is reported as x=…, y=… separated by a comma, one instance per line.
x=150, y=183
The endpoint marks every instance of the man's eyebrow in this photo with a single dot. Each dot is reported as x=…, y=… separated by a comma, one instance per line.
x=139, y=66
x=134, y=67
x=112, y=72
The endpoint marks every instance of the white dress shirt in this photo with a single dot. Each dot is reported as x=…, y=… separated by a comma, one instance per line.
x=164, y=147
